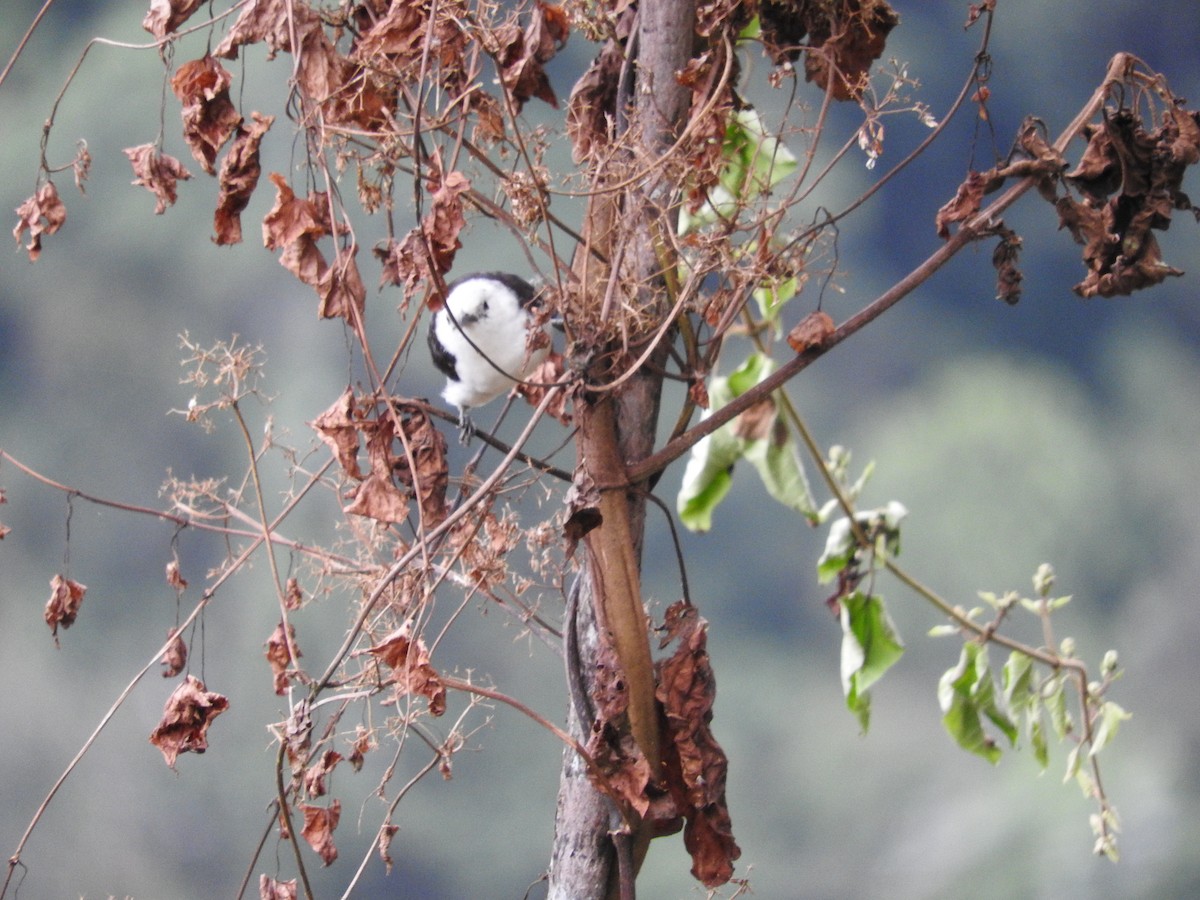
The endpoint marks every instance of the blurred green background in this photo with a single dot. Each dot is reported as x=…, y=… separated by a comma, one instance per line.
x=1059, y=430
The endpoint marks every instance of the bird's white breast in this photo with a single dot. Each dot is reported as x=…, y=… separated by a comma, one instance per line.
x=491, y=315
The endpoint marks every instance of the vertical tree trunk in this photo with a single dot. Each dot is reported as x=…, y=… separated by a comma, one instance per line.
x=619, y=431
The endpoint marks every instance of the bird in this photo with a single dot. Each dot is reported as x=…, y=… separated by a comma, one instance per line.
x=479, y=340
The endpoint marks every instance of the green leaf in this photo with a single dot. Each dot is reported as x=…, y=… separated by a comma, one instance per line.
x=967, y=695
x=1037, y=739
x=755, y=162
x=1018, y=679
x=782, y=475
x=709, y=472
x=1055, y=699
x=707, y=479
x=1111, y=716
x=839, y=550
x=870, y=646
x=840, y=545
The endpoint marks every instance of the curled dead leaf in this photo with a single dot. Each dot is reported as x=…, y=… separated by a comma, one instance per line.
x=811, y=332
x=43, y=213
x=189, y=711
x=411, y=671
x=319, y=825
x=66, y=596
x=421, y=465
x=339, y=427
x=694, y=764
x=209, y=117
x=964, y=205
x=174, y=658
x=521, y=55
x=270, y=889
x=315, y=774
x=158, y=173
x=240, y=171
x=279, y=654
x=173, y=576
x=293, y=596
x=165, y=16
x=845, y=38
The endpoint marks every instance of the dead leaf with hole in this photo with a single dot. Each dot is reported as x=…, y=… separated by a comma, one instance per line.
x=694, y=763
x=66, y=596
x=158, y=173
x=189, y=711
x=43, y=213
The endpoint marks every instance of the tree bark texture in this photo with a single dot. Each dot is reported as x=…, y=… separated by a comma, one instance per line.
x=617, y=429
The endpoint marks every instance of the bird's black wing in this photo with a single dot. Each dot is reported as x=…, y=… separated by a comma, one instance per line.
x=443, y=359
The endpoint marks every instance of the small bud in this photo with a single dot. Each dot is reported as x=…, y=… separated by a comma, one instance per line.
x=1067, y=647
x=1108, y=667
x=1043, y=579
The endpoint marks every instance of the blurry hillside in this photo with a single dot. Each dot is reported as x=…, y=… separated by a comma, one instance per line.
x=1060, y=430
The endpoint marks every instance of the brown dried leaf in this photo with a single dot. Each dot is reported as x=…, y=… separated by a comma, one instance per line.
x=66, y=596
x=377, y=498
x=189, y=711
x=590, y=108
x=293, y=597
x=174, y=658
x=279, y=655
x=757, y=421
x=294, y=225
x=43, y=205
x=422, y=466
x=964, y=205
x=1004, y=259
x=270, y=889
x=339, y=427
x=694, y=763
x=314, y=775
x=165, y=16
x=385, y=846
x=319, y=825
x=847, y=36
x=522, y=55
x=157, y=172
x=1099, y=171
x=811, y=332
x=269, y=21
x=412, y=673
x=360, y=748
x=341, y=288
x=551, y=371
x=622, y=771
x=583, y=509
x=209, y=117
x=173, y=576
x=240, y=171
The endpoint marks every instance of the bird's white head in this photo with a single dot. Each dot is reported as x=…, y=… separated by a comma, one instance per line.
x=479, y=339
